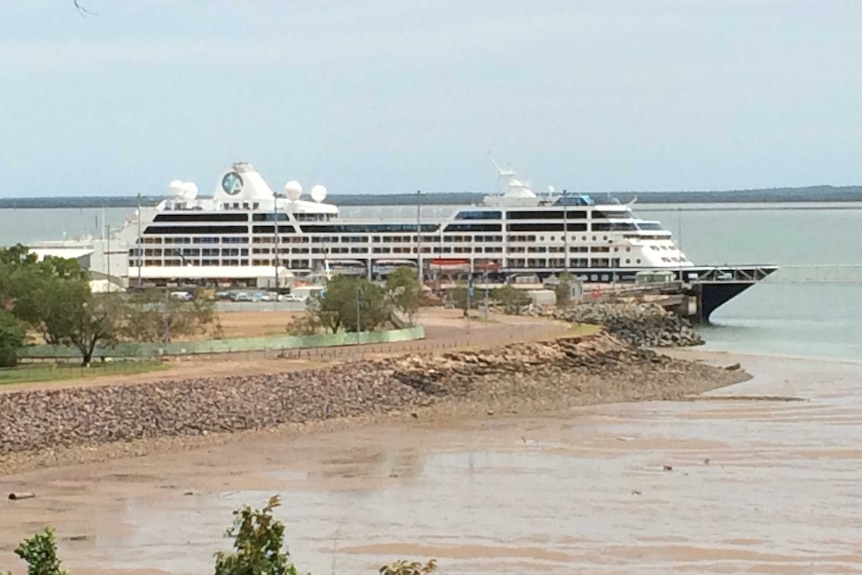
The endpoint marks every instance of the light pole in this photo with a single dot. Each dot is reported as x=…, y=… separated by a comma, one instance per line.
x=358, y=313
x=469, y=294
x=487, y=300
x=140, y=250
x=275, y=232
x=419, y=272
x=167, y=336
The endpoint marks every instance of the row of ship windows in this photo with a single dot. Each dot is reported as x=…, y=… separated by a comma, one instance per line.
x=192, y=216
x=303, y=264
x=542, y=215
x=390, y=228
x=233, y=252
x=153, y=240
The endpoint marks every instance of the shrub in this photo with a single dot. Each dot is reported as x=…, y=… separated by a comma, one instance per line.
x=12, y=337
x=258, y=540
x=40, y=554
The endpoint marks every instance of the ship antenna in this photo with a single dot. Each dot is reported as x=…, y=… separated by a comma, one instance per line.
x=500, y=171
x=502, y=174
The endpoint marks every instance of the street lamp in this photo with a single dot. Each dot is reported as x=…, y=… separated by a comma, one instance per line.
x=358, y=313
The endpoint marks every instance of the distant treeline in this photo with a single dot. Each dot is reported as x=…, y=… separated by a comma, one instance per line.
x=806, y=194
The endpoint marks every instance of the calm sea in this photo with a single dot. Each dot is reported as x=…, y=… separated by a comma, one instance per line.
x=780, y=316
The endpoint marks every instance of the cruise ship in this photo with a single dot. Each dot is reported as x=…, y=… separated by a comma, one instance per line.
x=247, y=235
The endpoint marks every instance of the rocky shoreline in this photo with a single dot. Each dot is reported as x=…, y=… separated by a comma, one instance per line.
x=640, y=324
x=523, y=377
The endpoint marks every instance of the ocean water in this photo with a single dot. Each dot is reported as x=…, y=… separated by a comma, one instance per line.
x=821, y=318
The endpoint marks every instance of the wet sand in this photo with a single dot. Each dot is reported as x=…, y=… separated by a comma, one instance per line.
x=755, y=486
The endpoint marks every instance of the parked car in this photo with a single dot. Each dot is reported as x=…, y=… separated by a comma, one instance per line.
x=289, y=297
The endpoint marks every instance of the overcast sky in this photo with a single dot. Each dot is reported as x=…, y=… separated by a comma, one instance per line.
x=398, y=95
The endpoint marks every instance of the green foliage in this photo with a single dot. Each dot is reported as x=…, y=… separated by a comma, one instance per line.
x=409, y=568
x=458, y=297
x=304, y=324
x=155, y=316
x=351, y=304
x=12, y=337
x=258, y=543
x=26, y=284
x=40, y=554
x=563, y=291
x=31, y=372
x=405, y=291
x=84, y=323
x=53, y=296
x=510, y=298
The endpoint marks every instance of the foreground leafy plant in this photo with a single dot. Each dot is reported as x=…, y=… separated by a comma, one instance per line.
x=258, y=539
x=40, y=553
x=409, y=568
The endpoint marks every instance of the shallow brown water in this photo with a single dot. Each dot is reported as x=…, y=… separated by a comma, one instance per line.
x=580, y=492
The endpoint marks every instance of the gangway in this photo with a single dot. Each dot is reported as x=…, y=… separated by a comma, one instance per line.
x=819, y=274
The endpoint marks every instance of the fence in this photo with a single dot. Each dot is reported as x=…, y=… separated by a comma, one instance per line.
x=286, y=345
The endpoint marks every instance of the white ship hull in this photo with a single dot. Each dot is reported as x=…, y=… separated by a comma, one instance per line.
x=231, y=238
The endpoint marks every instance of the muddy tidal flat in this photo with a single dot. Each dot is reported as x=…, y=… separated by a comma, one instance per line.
x=758, y=477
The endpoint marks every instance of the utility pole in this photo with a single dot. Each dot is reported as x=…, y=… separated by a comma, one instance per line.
x=469, y=294
x=565, y=233
x=165, y=313
x=275, y=232
x=108, y=254
x=358, y=313
x=679, y=243
x=140, y=240
x=487, y=299
x=419, y=272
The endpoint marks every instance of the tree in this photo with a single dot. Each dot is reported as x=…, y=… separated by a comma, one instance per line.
x=258, y=540
x=563, y=290
x=59, y=309
x=511, y=298
x=12, y=337
x=405, y=291
x=305, y=324
x=459, y=297
x=350, y=303
x=53, y=296
x=153, y=316
x=87, y=324
x=40, y=554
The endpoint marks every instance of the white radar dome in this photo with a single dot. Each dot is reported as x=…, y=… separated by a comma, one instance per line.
x=177, y=188
x=318, y=193
x=293, y=190
x=190, y=190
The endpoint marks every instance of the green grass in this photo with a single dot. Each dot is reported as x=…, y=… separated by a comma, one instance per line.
x=40, y=372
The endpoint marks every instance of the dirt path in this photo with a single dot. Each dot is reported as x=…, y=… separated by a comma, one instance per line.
x=444, y=329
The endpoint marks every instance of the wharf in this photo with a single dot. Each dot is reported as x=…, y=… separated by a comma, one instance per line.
x=693, y=292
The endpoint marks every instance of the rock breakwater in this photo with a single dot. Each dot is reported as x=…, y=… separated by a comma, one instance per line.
x=519, y=376
x=641, y=324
